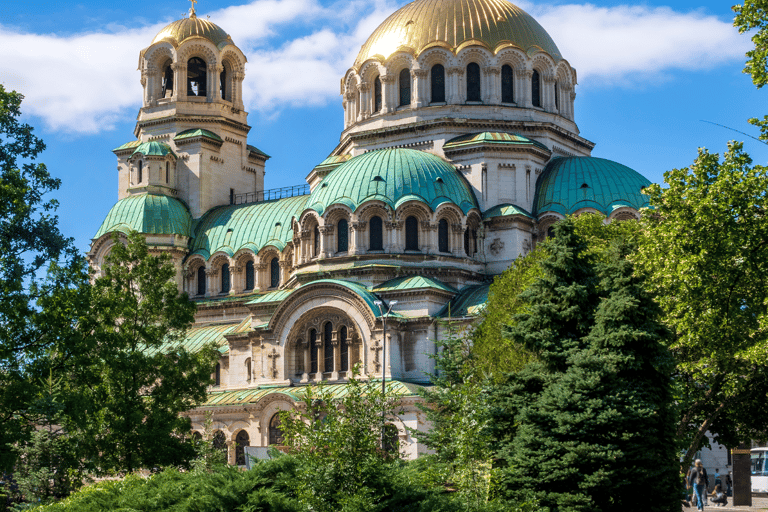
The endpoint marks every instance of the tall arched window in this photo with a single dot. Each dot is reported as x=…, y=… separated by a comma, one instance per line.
x=411, y=234
x=328, y=347
x=225, y=278
x=275, y=432
x=249, y=276
x=167, y=172
x=220, y=441
x=442, y=235
x=197, y=77
x=201, y=280
x=313, y=351
x=344, y=347
x=223, y=83
x=557, y=97
x=342, y=244
x=248, y=370
x=437, y=77
x=377, y=94
x=376, y=238
x=466, y=242
x=241, y=441
x=140, y=168
x=316, y=242
x=217, y=375
x=536, y=89
x=167, y=80
x=274, y=273
x=473, y=82
x=405, y=87
x=507, y=84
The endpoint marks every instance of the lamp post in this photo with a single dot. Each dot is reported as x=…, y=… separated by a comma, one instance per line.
x=384, y=360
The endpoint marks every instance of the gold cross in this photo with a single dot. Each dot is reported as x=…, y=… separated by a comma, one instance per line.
x=192, y=10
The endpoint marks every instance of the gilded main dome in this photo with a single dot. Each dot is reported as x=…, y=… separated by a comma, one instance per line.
x=451, y=24
x=187, y=28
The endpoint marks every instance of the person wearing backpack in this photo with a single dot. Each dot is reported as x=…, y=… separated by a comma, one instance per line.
x=699, y=481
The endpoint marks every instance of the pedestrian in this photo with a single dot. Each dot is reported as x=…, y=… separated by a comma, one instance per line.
x=718, y=496
x=728, y=484
x=699, y=480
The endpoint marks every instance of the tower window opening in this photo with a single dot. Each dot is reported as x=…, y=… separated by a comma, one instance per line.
x=437, y=77
x=241, y=441
x=344, y=347
x=225, y=281
x=442, y=236
x=405, y=87
x=507, y=84
x=316, y=242
x=411, y=234
x=167, y=81
x=473, y=82
x=557, y=97
x=313, y=351
x=167, y=172
x=376, y=240
x=343, y=240
x=201, y=280
x=274, y=273
x=139, y=173
x=536, y=89
x=328, y=347
x=220, y=441
x=377, y=94
x=249, y=276
x=275, y=432
x=248, y=370
x=217, y=375
x=197, y=77
x=223, y=84
x=231, y=196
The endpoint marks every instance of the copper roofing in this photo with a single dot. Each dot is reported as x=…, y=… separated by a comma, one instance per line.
x=188, y=28
x=246, y=226
x=393, y=176
x=271, y=297
x=413, y=283
x=154, y=149
x=197, y=132
x=453, y=24
x=505, y=210
x=570, y=184
x=297, y=393
x=469, y=302
x=492, y=139
x=360, y=290
x=199, y=336
x=148, y=213
x=128, y=145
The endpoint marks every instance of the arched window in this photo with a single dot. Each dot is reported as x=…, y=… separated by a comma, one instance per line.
x=248, y=370
x=225, y=278
x=473, y=82
x=342, y=244
x=313, y=351
x=274, y=273
x=328, y=347
x=220, y=441
x=201, y=280
x=437, y=77
x=507, y=84
x=275, y=432
x=442, y=236
x=557, y=97
x=197, y=77
x=139, y=176
x=411, y=234
x=223, y=84
x=391, y=439
x=405, y=87
x=249, y=276
x=376, y=238
x=550, y=231
x=241, y=441
x=536, y=89
x=316, y=242
x=167, y=80
x=344, y=346
x=167, y=172
x=377, y=94
x=197, y=438
x=217, y=375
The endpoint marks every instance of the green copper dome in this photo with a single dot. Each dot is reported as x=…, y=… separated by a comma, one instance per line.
x=572, y=183
x=252, y=226
x=150, y=214
x=393, y=176
x=154, y=149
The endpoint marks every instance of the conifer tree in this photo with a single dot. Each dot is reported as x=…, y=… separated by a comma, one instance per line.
x=588, y=425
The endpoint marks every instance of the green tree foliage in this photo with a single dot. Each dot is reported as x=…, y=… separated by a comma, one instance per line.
x=705, y=251
x=133, y=374
x=30, y=245
x=588, y=424
x=752, y=16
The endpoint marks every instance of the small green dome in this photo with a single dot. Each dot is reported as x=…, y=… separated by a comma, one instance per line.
x=150, y=214
x=154, y=149
x=570, y=184
x=393, y=176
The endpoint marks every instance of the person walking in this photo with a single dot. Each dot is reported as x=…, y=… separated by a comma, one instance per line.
x=698, y=480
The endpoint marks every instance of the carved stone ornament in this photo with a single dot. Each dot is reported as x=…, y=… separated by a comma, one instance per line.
x=273, y=357
x=526, y=246
x=497, y=246
x=376, y=348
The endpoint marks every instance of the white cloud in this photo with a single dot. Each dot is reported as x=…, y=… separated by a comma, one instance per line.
x=299, y=49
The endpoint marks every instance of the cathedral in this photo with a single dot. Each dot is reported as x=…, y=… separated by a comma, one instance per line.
x=459, y=151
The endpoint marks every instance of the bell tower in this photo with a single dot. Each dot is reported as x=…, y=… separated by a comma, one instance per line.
x=193, y=115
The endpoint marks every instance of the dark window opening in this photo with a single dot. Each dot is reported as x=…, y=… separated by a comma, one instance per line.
x=550, y=231
x=225, y=281
x=248, y=370
x=344, y=346
x=557, y=97
x=167, y=172
x=167, y=81
x=376, y=240
x=507, y=84
x=220, y=441
x=343, y=237
x=473, y=82
x=442, y=236
x=391, y=439
x=231, y=196
x=405, y=87
x=536, y=89
x=328, y=347
x=217, y=375
x=141, y=168
x=197, y=76
x=241, y=441
x=377, y=95
x=223, y=84
x=275, y=432
x=313, y=351
x=438, y=83
x=411, y=234
x=316, y=244
x=274, y=273
x=250, y=280
x=201, y=280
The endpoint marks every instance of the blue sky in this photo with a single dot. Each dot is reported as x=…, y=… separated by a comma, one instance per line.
x=649, y=75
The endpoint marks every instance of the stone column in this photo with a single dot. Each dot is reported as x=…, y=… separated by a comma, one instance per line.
x=419, y=79
x=457, y=245
x=355, y=243
x=285, y=270
x=336, y=354
x=212, y=92
x=429, y=230
x=210, y=278
x=493, y=83
x=237, y=89
x=319, y=342
x=365, y=102
x=452, y=85
x=548, y=93
x=388, y=103
x=237, y=280
x=526, y=89
x=307, y=360
x=323, y=241
x=306, y=249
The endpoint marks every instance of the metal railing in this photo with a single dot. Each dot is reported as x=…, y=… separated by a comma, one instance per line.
x=270, y=195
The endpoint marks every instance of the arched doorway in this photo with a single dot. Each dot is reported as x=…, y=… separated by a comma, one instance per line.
x=275, y=432
x=241, y=441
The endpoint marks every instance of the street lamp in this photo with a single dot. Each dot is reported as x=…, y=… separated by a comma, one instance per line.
x=384, y=361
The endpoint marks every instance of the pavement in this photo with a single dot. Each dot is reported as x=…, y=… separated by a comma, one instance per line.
x=758, y=505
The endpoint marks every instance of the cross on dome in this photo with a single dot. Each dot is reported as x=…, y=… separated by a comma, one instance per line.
x=192, y=9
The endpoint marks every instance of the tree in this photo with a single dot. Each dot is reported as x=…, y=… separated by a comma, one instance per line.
x=705, y=251
x=133, y=374
x=30, y=244
x=751, y=15
x=588, y=423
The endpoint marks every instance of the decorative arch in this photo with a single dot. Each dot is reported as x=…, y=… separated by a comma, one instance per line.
x=201, y=49
x=242, y=439
x=474, y=54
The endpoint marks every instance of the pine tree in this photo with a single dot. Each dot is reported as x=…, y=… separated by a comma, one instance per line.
x=588, y=424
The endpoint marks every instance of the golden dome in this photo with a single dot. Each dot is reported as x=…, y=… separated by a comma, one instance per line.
x=451, y=23
x=186, y=28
